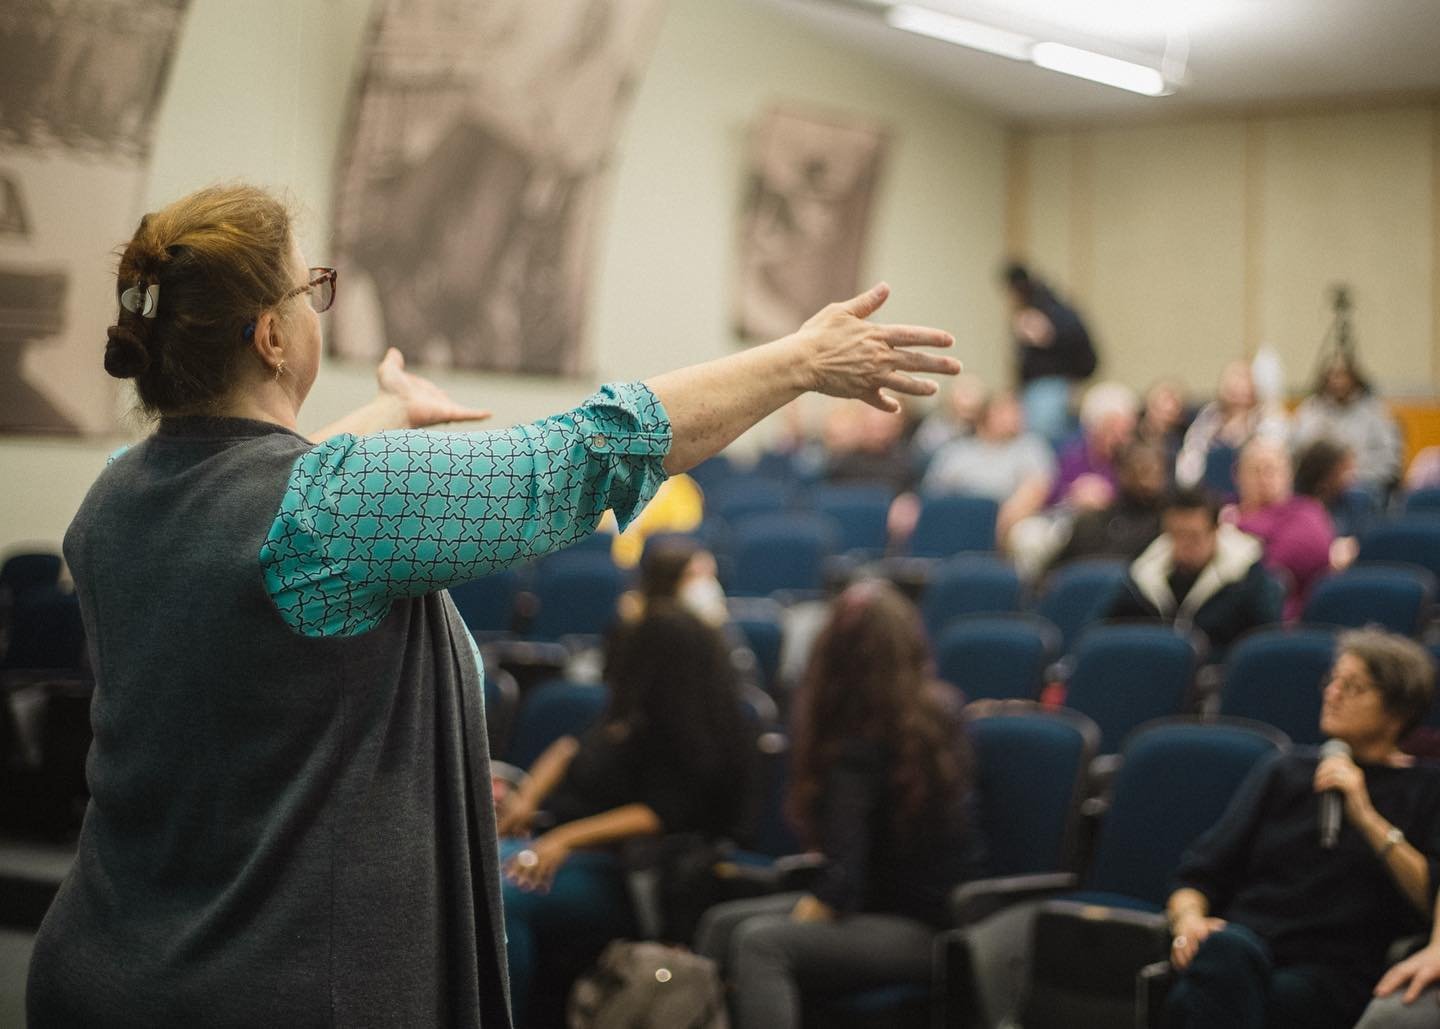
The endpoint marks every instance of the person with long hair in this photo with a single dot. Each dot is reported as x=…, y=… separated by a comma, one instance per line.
x=289, y=818
x=669, y=756
x=881, y=785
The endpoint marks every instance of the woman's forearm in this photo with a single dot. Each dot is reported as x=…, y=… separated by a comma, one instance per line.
x=1406, y=865
x=379, y=415
x=619, y=823
x=549, y=768
x=711, y=404
x=837, y=352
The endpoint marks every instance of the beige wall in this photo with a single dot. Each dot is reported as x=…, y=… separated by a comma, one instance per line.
x=1191, y=243
x=260, y=92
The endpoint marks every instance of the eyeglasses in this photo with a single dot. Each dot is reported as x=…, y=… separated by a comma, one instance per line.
x=1347, y=688
x=321, y=289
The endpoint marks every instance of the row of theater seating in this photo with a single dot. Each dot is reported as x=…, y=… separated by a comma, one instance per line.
x=1072, y=854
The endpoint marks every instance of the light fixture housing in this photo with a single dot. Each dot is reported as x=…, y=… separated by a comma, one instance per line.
x=1111, y=71
x=961, y=31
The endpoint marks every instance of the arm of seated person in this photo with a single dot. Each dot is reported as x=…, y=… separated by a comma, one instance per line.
x=1188, y=911
x=1028, y=499
x=535, y=867
x=545, y=774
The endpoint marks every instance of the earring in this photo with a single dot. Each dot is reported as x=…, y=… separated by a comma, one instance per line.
x=279, y=370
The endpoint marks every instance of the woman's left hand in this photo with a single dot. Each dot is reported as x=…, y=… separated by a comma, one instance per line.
x=424, y=402
x=1340, y=772
x=533, y=869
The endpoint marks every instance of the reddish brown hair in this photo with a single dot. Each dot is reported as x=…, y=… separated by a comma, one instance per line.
x=220, y=257
x=869, y=679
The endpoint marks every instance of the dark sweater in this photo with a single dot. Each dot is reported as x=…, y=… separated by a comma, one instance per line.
x=283, y=829
x=610, y=771
x=1262, y=866
x=878, y=865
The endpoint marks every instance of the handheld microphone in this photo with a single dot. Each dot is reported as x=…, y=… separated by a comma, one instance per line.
x=1332, y=802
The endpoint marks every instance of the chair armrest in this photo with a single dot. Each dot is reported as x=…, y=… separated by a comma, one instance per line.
x=1086, y=957
x=980, y=970
x=980, y=898
x=1152, y=986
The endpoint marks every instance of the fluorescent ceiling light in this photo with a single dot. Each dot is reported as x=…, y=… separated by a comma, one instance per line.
x=1098, y=68
x=960, y=31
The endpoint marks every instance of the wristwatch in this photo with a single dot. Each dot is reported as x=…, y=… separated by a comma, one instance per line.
x=1392, y=837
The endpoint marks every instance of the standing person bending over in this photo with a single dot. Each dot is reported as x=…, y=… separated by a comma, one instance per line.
x=1273, y=929
x=289, y=821
x=881, y=784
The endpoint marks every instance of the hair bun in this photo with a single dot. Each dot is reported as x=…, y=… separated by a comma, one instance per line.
x=125, y=352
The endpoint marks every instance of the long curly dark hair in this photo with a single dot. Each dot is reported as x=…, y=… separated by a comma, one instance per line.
x=869, y=678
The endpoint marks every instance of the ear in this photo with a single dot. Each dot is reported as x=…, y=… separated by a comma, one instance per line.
x=267, y=343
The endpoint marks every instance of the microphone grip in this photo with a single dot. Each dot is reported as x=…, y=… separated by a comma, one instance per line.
x=1331, y=813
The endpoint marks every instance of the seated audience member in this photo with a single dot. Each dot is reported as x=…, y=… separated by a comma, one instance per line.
x=1000, y=461
x=1085, y=480
x=677, y=570
x=1163, y=420
x=1344, y=408
x=1199, y=574
x=678, y=506
x=667, y=757
x=956, y=416
x=1325, y=470
x=864, y=444
x=1276, y=928
x=1132, y=521
x=1407, y=996
x=881, y=784
x=1296, y=531
x=1230, y=420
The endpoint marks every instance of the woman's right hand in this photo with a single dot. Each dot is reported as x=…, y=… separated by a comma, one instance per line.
x=853, y=358
x=1416, y=972
x=1190, y=931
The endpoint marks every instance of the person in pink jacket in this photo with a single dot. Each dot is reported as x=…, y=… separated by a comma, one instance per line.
x=1296, y=531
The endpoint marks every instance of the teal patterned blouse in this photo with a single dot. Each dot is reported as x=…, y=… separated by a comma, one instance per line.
x=368, y=519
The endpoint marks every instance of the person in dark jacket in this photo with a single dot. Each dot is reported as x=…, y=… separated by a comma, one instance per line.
x=1199, y=574
x=1053, y=351
x=881, y=785
x=1275, y=928
x=1131, y=522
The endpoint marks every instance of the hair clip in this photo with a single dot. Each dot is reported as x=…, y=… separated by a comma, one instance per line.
x=143, y=304
x=249, y=331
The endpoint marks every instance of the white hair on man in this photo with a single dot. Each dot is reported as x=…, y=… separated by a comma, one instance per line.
x=1105, y=399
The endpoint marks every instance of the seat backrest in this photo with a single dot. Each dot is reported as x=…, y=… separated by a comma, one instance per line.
x=1126, y=675
x=774, y=552
x=1412, y=540
x=576, y=594
x=487, y=606
x=765, y=638
x=742, y=496
x=550, y=711
x=1079, y=594
x=1423, y=502
x=1275, y=676
x=966, y=585
x=997, y=657
x=1176, y=780
x=29, y=571
x=1031, y=771
x=860, y=512
x=502, y=702
x=1219, y=476
x=1393, y=596
x=950, y=524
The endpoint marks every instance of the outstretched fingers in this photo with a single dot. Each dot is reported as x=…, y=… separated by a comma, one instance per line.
x=902, y=383
x=867, y=303
x=914, y=336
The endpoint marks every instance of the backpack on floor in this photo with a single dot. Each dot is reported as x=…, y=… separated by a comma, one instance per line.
x=644, y=985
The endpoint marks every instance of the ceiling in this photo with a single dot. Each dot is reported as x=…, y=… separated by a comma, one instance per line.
x=1241, y=53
